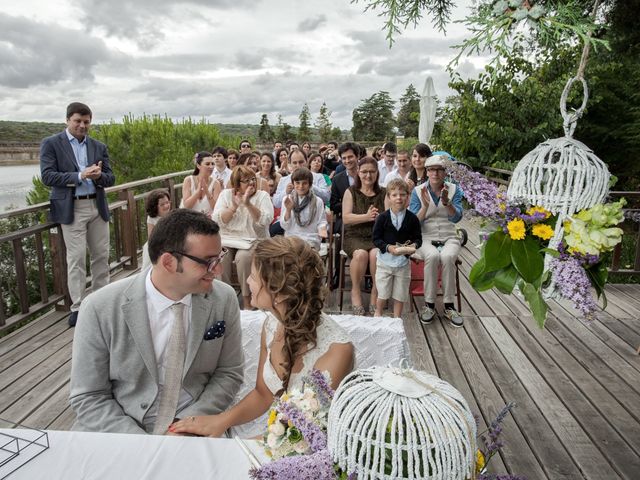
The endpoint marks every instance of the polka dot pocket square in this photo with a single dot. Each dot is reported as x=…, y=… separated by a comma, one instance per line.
x=215, y=331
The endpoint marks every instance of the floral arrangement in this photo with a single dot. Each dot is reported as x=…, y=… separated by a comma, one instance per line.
x=513, y=254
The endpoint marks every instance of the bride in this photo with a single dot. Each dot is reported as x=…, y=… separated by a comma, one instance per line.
x=287, y=281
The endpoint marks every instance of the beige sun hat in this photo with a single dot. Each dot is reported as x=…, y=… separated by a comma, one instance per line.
x=435, y=161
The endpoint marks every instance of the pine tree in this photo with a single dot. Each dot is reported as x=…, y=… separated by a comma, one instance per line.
x=304, y=131
x=284, y=130
x=265, y=134
x=409, y=114
x=323, y=124
x=373, y=118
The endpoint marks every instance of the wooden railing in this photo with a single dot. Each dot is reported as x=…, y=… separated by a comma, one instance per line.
x=632, y=232
x=33, y=256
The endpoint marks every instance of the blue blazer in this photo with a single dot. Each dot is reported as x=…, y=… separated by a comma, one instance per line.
x=59, y=170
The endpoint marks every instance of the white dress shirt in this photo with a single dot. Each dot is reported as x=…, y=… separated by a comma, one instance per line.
x=160, y=322
x=320, y=188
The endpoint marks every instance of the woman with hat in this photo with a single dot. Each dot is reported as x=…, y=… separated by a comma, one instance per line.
x=438, y=206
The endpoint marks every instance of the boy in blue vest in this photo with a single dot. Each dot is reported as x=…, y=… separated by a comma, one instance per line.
x=397, y=235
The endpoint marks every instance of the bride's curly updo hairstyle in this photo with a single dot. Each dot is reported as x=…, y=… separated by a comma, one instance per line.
x=293, y=273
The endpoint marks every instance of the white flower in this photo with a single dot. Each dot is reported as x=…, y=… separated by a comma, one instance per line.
x=301, y=447
x=276, y=428
x=272, y=441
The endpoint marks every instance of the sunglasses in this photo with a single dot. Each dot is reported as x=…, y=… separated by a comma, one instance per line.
x=211, y=264
x=246, y=145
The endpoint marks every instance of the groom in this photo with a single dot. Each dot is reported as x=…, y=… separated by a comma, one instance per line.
x=161, y=345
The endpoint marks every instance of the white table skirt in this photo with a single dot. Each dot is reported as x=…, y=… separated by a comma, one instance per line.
x=377, y=341
x=102, y=456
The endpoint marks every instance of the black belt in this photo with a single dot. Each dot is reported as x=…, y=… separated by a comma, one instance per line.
x=85, y=197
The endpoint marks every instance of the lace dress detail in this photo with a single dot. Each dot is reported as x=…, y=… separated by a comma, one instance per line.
x=328, y=333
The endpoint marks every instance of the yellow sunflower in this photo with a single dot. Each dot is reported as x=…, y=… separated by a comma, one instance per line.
x=516, y=229
x=542, y=230
x=536, y=209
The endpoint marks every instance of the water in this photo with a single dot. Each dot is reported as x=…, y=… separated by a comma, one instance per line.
x=15, y=182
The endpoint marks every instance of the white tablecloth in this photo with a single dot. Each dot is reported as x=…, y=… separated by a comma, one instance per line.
x=105, y=456
x=377, y=340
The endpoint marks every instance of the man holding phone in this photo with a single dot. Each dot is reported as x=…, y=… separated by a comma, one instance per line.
x=77, y=169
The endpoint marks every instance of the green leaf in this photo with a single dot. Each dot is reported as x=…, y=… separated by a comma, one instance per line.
x=497, y=251
x=552, y=252
x=480, y=279
x=505, y=279
x=526, y=257
x=598, y=275
x=536, y=303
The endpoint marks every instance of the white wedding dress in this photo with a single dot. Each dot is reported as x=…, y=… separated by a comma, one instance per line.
x=328, y=332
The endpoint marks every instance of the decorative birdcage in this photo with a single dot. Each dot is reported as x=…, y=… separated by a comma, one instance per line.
x=562, y=175
x=389, y=423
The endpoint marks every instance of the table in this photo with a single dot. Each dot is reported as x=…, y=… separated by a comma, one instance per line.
x=100, y=456
x=377, y=341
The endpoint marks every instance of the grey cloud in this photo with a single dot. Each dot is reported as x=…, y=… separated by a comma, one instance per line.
x=249, y=60
x=34, y=53
x=310, y=24
x=180, y=62
x=398, y=65
x=373, y=42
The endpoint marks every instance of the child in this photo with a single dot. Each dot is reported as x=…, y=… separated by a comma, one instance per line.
x=304, y=214
x=397, y=234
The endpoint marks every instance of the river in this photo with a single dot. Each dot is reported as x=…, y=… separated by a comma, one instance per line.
x=15, y=182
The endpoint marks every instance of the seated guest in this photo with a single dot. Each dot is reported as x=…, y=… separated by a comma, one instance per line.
x=397, y=235
x=418, y=173
x=162, y=344
x=306, y=148
x=251, y=160
x=200, y=190
x=157, y=205
x=316, y=166
x=268, y=172
x=304, y=215
x=331, y=156
x=297, y=337
x=244, y=146
x=388, y=162
x=403, y=167
x=244, y=214
x=221, y=172
x=282, y=161
x=360, y=207
x=438, y=206
x=232, y=159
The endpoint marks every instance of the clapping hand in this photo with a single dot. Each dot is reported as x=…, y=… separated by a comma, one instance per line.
x=288, y=202
x=372, y=212
x=202, y=188
x=93, y=171
x=289, y=188
x=444, y=196
x=425, y=196
x=251, y=189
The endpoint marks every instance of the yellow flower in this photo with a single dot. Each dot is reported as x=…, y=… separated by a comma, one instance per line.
x=516, y=229
x=272, y=417
x=480, y=462
x=503, y=206
x=542, y=230
x=536, y=209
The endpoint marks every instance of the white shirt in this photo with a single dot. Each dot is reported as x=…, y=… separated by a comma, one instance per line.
x=223, y=176
x=391, y=175
x=309, y=233
x=320, y=188
x=160, y=322
x=384, y=171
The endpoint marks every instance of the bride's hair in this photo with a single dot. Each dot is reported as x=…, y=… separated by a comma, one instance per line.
x=293, y=272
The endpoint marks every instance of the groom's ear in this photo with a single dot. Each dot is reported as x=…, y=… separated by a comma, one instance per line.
x=169, y=263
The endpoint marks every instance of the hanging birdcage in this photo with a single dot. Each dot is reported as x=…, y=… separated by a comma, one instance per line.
x=562, y=175
x=389, y=423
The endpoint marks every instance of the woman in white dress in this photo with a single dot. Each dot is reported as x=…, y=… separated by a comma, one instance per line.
x=200, y=190
x=287, y=281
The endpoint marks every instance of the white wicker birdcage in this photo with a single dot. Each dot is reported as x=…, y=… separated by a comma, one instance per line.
x=562, y=175
x=389, y=423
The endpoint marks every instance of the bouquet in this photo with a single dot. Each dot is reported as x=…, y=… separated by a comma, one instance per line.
x=513, y=254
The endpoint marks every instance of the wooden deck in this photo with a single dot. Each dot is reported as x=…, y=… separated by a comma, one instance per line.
x=576, y=385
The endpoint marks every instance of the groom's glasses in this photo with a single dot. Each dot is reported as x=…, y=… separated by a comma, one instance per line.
x=211, y=264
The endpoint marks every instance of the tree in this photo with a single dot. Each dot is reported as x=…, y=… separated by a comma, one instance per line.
x=409, y=114
x=265, y=134
x=285, y=132
x=323, y=124
x=304, y=131
x=373, y=118
x=336, y=134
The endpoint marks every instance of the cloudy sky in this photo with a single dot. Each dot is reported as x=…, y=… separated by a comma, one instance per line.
x=226, y=60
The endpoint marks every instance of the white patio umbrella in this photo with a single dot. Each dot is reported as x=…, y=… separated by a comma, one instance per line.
x=427, y=111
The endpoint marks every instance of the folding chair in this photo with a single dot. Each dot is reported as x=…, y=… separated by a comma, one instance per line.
x=416, y=286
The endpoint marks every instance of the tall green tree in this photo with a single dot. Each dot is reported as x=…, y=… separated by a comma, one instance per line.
x=304, y=130
x=285, y=132
x=373, y=118
x=409, y=113
x=323, y=124
x=265, y=134
x=336, y=134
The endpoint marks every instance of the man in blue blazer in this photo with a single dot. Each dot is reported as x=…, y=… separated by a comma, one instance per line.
x=77, y=169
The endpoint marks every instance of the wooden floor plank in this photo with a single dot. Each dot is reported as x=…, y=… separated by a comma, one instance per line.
x=64, y=421
x=614, y=431
x=28, y=332
x=590, y=460
x=421, y=357
x=552, y=455
x=51, y=408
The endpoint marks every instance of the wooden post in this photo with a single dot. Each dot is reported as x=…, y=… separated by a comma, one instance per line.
x=128, y=231
x=59, y=266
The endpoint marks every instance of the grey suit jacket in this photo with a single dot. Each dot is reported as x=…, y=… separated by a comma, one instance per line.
x=114, y=378
x=59, y=170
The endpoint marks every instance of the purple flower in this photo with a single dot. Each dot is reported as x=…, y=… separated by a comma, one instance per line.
x=480, y=192
x=303, y=467
x=318, y=382
x=311, y=432
x=570, y=276
x=494, y=443
x=498, y=476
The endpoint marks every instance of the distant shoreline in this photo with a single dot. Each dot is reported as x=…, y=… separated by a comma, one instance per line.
x=13, y=163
